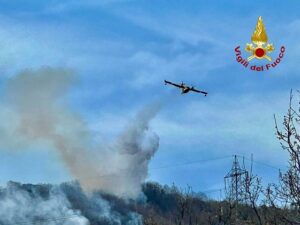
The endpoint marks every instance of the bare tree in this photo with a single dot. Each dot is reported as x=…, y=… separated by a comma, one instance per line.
x=150, y=221
x=253, y=190
x=226, y=212
x=286, y=194
x=184, y=201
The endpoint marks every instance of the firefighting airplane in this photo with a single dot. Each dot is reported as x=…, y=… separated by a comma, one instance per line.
x=184, y=88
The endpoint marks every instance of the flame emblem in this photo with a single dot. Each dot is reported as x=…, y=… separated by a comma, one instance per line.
x=260, y=47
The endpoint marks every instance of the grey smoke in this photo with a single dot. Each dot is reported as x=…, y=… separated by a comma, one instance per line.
x=19, y=206
x=63, y=204
x=35, y=101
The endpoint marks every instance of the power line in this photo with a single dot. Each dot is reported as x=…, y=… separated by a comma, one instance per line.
x=109, y=176
x=162, y=167
x=212, y=190
x=189, y=163
x=258, y=162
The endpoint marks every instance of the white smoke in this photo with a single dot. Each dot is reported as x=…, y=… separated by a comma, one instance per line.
x=17, y=206
x=58, y=205
x=34, y=100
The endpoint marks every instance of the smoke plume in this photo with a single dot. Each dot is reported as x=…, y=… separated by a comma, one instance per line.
x=65, y=204
x=35, y=101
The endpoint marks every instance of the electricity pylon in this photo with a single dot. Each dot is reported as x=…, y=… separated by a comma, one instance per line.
x=234, y=187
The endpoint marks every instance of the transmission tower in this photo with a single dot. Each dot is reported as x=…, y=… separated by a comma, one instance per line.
x=234, y=184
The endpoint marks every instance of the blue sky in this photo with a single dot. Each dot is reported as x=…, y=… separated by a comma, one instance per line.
x=122, y=50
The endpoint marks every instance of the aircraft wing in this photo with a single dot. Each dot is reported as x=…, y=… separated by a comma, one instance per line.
x=198, y=91
x=176, y=85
